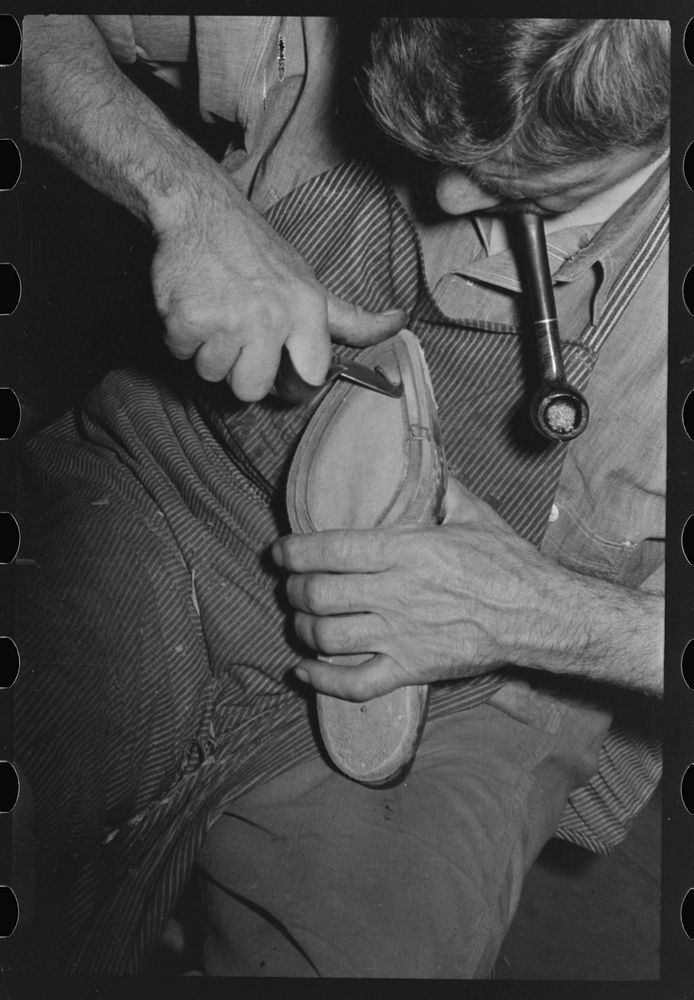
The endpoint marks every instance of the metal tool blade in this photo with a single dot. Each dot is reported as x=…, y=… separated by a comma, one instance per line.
x=291, y=387
x=369, y=378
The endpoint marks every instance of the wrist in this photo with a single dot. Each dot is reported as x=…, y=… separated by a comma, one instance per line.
x=591, y=628
x=548, y=632
x=188, y=187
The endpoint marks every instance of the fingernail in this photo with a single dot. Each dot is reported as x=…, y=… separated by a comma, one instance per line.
x=302, y=675
x=394, y=312
x=276, y=553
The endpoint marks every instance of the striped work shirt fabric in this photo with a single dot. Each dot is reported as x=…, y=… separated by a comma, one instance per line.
x=156, y=684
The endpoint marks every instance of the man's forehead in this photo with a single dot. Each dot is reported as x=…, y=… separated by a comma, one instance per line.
x=500, y=187
x=525, y=186
x=510, y=178
x=504, y=177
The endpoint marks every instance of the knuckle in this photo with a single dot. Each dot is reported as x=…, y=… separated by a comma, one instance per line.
x=335, y=546
x=274, y=314
x=209, y=367
x=323, y=635
x=336, y=635
x=186, y=314
x=179, y=344
x=339, y=634
x=312, y=299
x=263, y=313
x=203, y=320
x=313, y=593
x=177, y=331
x=248, y=391
x=216, y=356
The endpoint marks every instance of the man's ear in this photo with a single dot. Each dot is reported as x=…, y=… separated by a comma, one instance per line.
x=457, y=193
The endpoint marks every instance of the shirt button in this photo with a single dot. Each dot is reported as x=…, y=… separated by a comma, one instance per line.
x=554, y=513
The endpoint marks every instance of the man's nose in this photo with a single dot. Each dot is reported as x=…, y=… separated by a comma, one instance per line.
x=457, y=194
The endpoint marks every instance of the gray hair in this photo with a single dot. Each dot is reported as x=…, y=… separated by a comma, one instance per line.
x=545, y=91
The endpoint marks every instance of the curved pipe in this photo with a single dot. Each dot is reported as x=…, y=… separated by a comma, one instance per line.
x=558, y=410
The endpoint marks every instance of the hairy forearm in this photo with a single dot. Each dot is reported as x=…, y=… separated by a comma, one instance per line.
x=78, y=106
x=597, y=630
x=231, y=292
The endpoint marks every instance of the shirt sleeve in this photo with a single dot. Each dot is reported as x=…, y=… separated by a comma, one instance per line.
x=119, y=35
x=154, y=38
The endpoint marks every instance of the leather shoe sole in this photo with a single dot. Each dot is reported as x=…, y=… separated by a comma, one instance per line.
x=369, y=460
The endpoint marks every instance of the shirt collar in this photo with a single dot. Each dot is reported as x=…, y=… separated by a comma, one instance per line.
x=501, y=269
x=615, y=238
x=573, y=251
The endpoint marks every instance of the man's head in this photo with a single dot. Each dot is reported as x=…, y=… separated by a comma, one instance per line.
x=518, y=103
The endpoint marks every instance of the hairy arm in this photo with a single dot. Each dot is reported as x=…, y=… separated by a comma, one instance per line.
x=77, y=105
x=231, y=292
x=458, y=600
x=570, y=623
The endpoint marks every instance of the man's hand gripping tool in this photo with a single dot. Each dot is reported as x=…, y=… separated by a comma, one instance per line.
x=292, y=388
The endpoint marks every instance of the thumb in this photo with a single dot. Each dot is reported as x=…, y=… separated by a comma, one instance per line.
x=376, y=676
x=460, y=505
x=457, y=502
x=350, y=324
